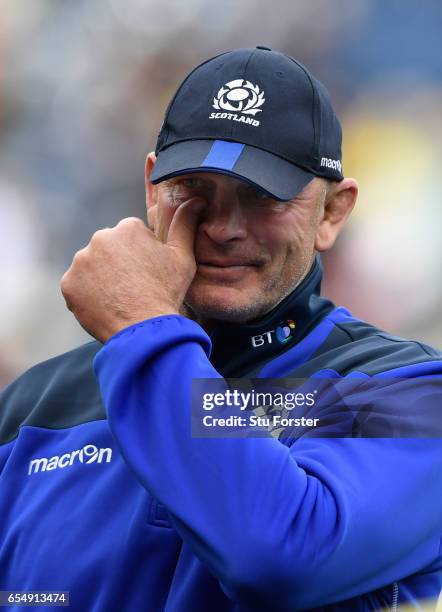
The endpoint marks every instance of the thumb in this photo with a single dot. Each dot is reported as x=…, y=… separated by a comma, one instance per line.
x=184, y=223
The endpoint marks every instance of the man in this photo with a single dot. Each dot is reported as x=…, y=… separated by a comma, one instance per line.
x=118, y=503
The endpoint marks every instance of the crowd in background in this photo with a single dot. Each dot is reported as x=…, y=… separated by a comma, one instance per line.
x=83, y=88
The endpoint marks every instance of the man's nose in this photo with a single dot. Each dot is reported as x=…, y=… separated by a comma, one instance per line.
x=223, y=219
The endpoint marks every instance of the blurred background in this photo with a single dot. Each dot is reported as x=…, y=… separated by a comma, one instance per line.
x=83, y=87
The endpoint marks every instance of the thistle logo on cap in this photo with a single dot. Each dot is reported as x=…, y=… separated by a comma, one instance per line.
x=239, y=96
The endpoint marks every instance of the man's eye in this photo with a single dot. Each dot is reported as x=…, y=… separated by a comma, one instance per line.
x=257, y=195
x=261, y=195
x=192, y=183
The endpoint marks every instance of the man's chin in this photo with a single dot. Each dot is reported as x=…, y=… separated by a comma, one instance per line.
x=223, y=304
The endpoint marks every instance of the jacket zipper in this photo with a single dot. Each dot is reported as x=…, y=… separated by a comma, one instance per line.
x=395, y=597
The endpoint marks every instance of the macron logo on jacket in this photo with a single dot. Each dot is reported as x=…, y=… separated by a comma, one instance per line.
x=88, y=454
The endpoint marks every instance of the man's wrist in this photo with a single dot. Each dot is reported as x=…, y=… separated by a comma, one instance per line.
x=150, y=313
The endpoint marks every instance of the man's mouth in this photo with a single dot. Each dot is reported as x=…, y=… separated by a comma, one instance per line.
x=229, y=269
x=225, y=263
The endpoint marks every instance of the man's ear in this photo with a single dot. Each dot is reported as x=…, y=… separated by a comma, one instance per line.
x=151, y=191
x=338, y=205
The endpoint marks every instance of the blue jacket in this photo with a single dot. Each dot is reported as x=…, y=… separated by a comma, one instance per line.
x=114, y=501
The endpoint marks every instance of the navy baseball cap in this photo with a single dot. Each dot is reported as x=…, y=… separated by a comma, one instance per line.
x=255, y=114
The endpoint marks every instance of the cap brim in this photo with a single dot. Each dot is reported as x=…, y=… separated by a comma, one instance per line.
x=278, y=177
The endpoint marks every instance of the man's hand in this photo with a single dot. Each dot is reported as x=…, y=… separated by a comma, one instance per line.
x=126, y=274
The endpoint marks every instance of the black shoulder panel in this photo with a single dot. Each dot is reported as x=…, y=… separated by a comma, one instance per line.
x=58, y=393
x=357, y=346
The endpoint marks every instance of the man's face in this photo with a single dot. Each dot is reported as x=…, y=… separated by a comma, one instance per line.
x=251, y=250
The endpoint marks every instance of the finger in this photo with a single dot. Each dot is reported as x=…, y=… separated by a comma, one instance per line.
x=184, y=223
x=66, y=289
x=152, y=219
x=131, y=222
x=128, y=231
x=163, y=219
